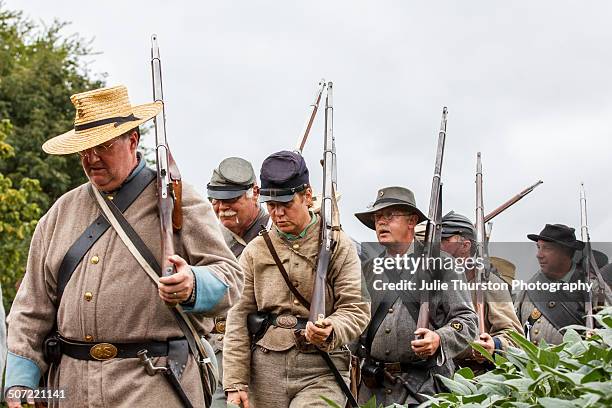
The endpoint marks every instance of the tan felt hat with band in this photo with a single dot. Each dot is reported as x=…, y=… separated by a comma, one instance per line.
x=101, y=115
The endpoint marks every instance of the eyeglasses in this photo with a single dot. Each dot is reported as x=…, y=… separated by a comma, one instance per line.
x=388, y=215
x=99, y=150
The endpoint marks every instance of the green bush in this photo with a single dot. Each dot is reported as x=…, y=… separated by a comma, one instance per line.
x=576, y=373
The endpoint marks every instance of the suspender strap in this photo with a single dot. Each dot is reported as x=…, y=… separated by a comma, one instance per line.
x=377, y=319
x=283, y=271
x=123, y=199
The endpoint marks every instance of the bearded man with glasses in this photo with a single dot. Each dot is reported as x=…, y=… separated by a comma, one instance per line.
x=401, y=360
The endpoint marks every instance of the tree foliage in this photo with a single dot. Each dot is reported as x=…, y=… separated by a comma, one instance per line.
x=40, y=69
x=19, y=213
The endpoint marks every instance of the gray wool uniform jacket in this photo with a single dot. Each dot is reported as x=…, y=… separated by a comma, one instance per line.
x=452, y=317
x=567, y=307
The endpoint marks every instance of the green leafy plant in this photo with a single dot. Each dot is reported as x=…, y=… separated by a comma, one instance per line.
x=576, y=373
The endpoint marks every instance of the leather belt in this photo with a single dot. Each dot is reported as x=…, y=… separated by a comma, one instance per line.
x=397, y=367
x=102, y=351
x=288, y=321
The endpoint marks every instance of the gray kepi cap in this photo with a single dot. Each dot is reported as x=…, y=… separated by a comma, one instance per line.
x=387, y=197
x=457, y=224
x=231, y=179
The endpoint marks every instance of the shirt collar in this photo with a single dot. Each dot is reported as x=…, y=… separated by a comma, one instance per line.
x=569, y=274
x=292, y=237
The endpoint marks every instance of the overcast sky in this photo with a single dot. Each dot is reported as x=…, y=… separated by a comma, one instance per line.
x=526, y=83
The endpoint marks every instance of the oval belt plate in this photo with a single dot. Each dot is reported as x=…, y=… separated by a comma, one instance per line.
x=220, y=326
x=103, y=351
x=286, y=321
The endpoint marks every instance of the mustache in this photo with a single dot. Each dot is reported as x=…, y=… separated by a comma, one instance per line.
x=227, y=213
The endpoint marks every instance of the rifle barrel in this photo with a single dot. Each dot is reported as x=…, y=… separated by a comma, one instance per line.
x=480, y=245
x=317, y=308
x=432, y=233
x=584, y=232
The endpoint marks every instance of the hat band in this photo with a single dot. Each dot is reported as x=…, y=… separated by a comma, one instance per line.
x=231, y=187
x=393, y=201
x=117, y=120
x=279, y=192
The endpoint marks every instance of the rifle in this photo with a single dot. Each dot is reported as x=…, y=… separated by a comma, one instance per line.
x=591, y=269
x=431, y=245
x=328, y=213
x=168, y=175
x=314, y=108
x=584, y=232
x=511, y=202
x=481, y=247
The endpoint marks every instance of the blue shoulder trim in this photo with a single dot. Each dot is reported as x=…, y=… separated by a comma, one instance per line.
x=209, y=290
x=21, y=371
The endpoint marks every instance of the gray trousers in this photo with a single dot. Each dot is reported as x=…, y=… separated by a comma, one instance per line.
x=219, y=399
x=282, y=379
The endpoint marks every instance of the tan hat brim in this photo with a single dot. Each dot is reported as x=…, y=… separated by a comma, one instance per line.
x=73, y=142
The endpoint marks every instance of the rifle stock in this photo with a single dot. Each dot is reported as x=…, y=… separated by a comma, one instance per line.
x=511, y=201
x=313, y=113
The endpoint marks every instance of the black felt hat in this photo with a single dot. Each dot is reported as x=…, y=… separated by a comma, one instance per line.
x=560, y=234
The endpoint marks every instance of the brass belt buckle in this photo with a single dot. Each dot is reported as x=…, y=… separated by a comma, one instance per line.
x=103, y=351
x=220, y=325
x=393, y=368
x=286, y=321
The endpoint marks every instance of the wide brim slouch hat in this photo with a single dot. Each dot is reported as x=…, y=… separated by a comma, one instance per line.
x=387, y=197
x=101, y=115
x=559, y=234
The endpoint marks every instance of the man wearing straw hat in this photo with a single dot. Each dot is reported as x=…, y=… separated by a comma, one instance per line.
x=459, y=240
x=274, y=368
x=543, y=312
x=234, y=194
x=107, y=309
x=401, y=360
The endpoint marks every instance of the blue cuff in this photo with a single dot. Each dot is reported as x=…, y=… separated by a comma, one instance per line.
x=21, y=371
x=498, y=344
x=209, y=290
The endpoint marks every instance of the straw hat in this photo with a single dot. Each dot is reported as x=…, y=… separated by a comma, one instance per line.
x=506, y=269
x=101, y=115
